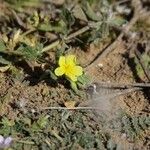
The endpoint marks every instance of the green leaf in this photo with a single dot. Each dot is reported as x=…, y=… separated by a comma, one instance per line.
x=68, y=18
x=74, y=86
x=146, y=60
x=135, y=122
x=79, y=13
x=117, y=21
x=89, y=12
x=6, y=126
x=30, y=53
x=2, y=46
x=111, y=145
x=4, y=61
x=42, y=121
x=53, y=76
x=59, y=27
x=34, y=128
x=84, y=79
x=45, y=27
x=20, y=3
x=142, y=122
x=7, y=122
x=34, y=19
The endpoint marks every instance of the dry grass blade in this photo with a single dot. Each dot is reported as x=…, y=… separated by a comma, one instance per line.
x=65, y=108
x=121, y=85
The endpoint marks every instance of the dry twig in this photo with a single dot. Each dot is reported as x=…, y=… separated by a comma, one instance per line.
x=65, y=108
x=121, y=85
x=84, y=105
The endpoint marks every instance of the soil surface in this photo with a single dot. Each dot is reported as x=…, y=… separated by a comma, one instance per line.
x=21, y=98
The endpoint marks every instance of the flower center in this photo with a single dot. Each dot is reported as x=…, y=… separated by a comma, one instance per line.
x=68, y=68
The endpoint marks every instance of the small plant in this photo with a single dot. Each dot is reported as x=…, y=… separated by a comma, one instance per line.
x=69, y=68
x=73, y=72
x=132, y=126
x=145, y=61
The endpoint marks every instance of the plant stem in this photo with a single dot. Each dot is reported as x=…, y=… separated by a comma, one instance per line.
x=24, y=142
x=28, y=32
x=50, y=46
x=80, y=31
x=69, y=37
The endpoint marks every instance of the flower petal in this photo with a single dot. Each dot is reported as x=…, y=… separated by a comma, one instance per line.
x=1, y=139
x=77, y=70
x=62, y=61
x=8, y=141
x=73, y=78
x=59, y=71
x=70, y=60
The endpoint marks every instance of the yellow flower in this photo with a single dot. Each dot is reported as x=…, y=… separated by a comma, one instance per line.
x=68, y=67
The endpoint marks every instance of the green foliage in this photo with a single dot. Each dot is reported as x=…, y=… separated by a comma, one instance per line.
x=127, y=127
x=34, y=20
x=35, y=126
x=145, y=58
x=23, y=126
x=68, y=18
x=4, y=61
x=74, y=86
x=96, y=14
x=47, y=131
x=6, y=126
x=58, y=27
x=89, y=12
x=52, y=75
x=86, y=140
x=111, y=145
x=30, y=53
x=78, y=13
x=117, y=21
x=2, y=46
x=42, y=121
x=17, y=4
x=54, y=126
x=133, y=126
x=83, y=81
